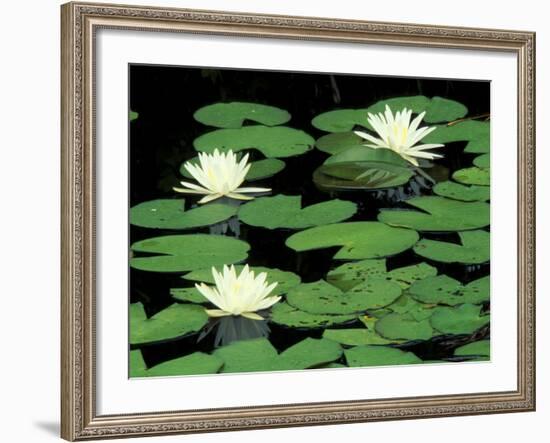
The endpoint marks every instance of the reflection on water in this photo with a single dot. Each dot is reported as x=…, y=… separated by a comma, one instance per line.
x=230, y=328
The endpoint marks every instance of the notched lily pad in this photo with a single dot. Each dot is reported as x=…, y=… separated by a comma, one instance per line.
x=438, y=214
x=456, y=191
x=189, y=295
x=448, y=291
x=286, y=315
x=476, y=133
x=405, y=326
x=473, y=176
x=474, y=248
x=277, y=141
x=234, y=114
x=285, y=211
x=171, y=214
x=178, y=253
x=361, y=356
x=483, y=161
x=338, y=142
x=462, y=319
x=358, y=239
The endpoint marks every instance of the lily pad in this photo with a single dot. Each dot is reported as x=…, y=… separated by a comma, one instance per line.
x=473, y=176
x=133, y=115
x=260, y=355
x=175, y=321
x=259, y=170
x=171, y=214
x=278, y=141
x=474, y=248
x=321, y=297
x=284, y=314
x=197, y=363
x=285, y=211
x=397, y=326
x=358, y=239
x=366, y=154
x=233, y=115
x=480, y=348
x=190, y=295
x=355, y=337
x=456, y=191
x=462, y=319
x=137, y=364
x=285, y=279
x=361, y=356
x=438, y=214
x=448, y=291
x=337, y=142
x=476, y=133
x=408, y=305
x=483, y=161
x=349, y=274
x=178, y=253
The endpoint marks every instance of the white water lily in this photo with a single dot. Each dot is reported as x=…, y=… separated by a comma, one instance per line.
x=220, y=175
x=400, y=135
x=242, y=294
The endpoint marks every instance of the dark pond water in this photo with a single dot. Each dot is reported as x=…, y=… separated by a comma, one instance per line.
x=161, y=139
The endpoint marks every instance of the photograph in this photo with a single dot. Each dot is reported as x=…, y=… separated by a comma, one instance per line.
x=292, y=221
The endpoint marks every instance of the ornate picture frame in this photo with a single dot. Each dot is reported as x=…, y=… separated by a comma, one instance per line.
x=80, y=22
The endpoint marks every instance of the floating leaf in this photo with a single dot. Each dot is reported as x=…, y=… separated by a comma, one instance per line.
x=260, y=355
x=478, y=348
x=474, y=248
x=355, y=337
x=361, y=356
x=446, y=290
x=133, y=115
x=193, y=364
x=178, y=253
x=397, y=326
x=476, y=133
x=483, y=161
x=362, y=175
x=233, y=115
x=285, y=211
x=408, y=305
x=171, y=214
x=278, y=141
x=438, y=214
x=137, y=364
x=338, y=142
x=321, y=297
x=259, y=170
x=457, y=191
x=462, y=319
x=284, y=314
x=285, y=279
x=174, y=321
x=366, y=154
x=190, y=295
x=473, y=176
x=358, y=239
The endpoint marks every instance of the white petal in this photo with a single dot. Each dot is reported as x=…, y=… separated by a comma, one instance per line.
x=209, y=198
x=217, y=313
x=248, y=189
x=252, y=316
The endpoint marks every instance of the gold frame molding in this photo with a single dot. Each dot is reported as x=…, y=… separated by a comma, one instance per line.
x=79, y=24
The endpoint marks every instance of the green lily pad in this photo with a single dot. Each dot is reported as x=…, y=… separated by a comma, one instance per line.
x=437, y=110
x=259, y=170
x=171, y=214
x=174, y=321
x=462, y=319
x=189, y=295
x=285, y=211
x=408, y=305
x=260, y=355
x=476, y=133
x=321, y=297
x=355, y=337
x=474, y=248
x=278, y=141
x=350, y=274
x=233, y=115
x=137, y=364
x=446, y=290
x=397, y=326
x=483, y=161
x=285, y=279
x=366, y=154
x=358, y=239
x=178, y=253
x=133, y=115
x=365, y=174
x=372, y=355
x=337, y=142
x=438, y=214
x=197, y=363
x=456, y=191
x=284, y=314
x=473, y=176
x=477, y=348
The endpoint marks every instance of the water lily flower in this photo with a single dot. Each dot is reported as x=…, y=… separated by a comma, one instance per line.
x=219, y=174
x=400, y=135
x=238, y=295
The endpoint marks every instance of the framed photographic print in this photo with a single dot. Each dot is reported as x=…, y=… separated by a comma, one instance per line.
x=283, y=221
